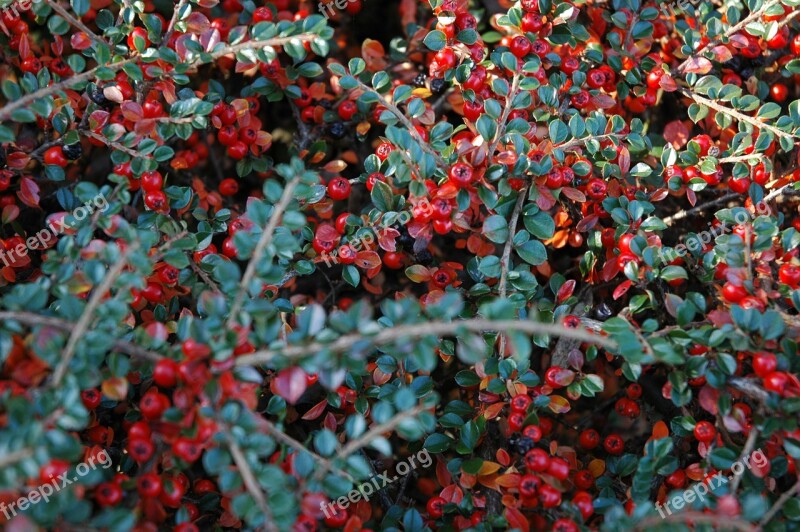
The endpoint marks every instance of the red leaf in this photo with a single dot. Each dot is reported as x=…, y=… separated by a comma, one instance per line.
x=623, y=287
x=610, y=269
x=691, y=196
x=698, y=65
x=566, y=290
x=368, y=260
x=10, y=213
x=316, y=410
x=291, y=383
x=387, y=237
x=722, y=54
x=517, y=520
x=676, y=133
x=28, y=192
x=574, y=194
x=17, y=160
x=587, y=223
x=131, y=111
x=708, y=399
x=667, y=83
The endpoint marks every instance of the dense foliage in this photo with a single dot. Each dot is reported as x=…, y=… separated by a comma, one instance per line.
x=257, y=254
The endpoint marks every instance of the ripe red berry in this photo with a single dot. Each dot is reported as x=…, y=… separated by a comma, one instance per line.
x=228, y=187
x=704, y=431
x=262, y=14
x=777, y=382
x=149, y=485
x=529, y=485
x=156, y=201
x=520, y=403
x=520, y=46
x=152, y=181
x=589, y=439
x=339, y=188
x=537, y=460
x=613, y=444
x=140, y=449
x=393, y=260
x=108, y=494
x=55, y=156
x=461, y=175
x=347, y=109
x=435, y=507
x=91, y=398
x=789, y=274
x=764, y=363
x=187, y=450
x=165, y=373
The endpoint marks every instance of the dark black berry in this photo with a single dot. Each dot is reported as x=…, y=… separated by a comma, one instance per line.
x=405, y=240
x=602, y=311
x=337, y=130
x=326, y=104
x=73, y=151
x=97, y=96
x=419, y=81
x=521, y=444
x=438, y=85
x=424, y=257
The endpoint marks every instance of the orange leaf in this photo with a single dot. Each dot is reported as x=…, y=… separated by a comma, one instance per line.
x=488, y=468
x=115, y=388
x=597, y=467
x=368, y=260
x=660, y=430
x=517, y=520
x=558, y=404
x=509, y=480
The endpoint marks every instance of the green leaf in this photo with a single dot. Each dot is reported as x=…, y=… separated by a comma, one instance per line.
x=435, y=40
x=495, y=228
x=533, y=252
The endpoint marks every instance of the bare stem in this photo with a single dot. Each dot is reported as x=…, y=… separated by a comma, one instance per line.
x=418, y=330
x=263, y=242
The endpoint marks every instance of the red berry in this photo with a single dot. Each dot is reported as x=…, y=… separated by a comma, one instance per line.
x=149, y=485
x=764, y=363
x=520, y=403
x=339, y=188
x=347, y=109
x=108, y=494
x=152, y=181
x=165, y=373
x=262, y=14
x=138, y=35
x=704, y=431
x=529, y=485
x=461, y=175
x=613, y=444
x=55, y=156
x=589, y=439
x=91, y=398
x=520, y=46
x=228, y=187
x=435, y=507
x=789, y=274
x=393, y=260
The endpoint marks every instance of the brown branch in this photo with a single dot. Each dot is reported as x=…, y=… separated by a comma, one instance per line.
x=501, y=128
x=418, y=330
x=779, y=504
x=367, y=438
x=669, y=220
x=406, y=123
x=749, y=445
x=26, y=100
x=88, y=314
x=505, y=261
x=250, y=482
x=29, y=318
x=15, y=457
x=264, y=241
x=733, y=113
x=731, y=31
x=58, y=8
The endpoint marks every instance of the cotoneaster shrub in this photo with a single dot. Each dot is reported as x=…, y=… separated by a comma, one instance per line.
x=552, y=244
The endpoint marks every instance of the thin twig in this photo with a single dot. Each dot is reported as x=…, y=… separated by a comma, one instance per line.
x=505, y=261
x=66, y=15
x=406, y=122
x=250, y=482
x=285, y=439
x=374, y=432
x=782, y=500
x=111, y=143
x=26, y=100
x=15, y=457
x=731, y=31
x=749, y=445
x=88, y=314
x=418, y=330
x=29, y=318
x=263, y=242
x=669, y=220
x=501, y=127
x=733, y=113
